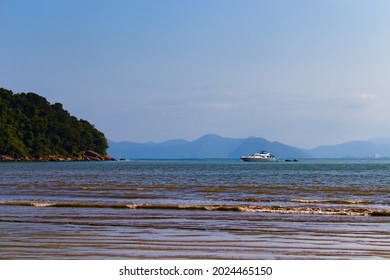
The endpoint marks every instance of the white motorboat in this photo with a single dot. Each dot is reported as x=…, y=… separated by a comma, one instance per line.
x=260, y=157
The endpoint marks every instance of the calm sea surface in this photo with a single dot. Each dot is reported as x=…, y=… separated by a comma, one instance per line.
x=195, y=209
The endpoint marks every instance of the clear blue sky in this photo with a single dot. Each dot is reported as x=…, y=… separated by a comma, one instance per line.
x=303, y=73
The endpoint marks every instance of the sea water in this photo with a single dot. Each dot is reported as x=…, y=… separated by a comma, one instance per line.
x=196, y=209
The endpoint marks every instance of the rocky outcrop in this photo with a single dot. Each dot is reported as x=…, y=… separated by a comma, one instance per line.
x=94, y=156
x=87, y=156
x=6, y=158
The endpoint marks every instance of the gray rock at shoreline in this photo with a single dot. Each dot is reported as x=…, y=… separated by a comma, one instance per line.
x=87, y=156
x=6, y=158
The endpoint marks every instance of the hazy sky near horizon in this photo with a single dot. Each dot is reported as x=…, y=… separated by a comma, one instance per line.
x=304, y=73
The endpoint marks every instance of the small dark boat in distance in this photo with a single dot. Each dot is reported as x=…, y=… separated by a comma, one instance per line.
x=291, y=160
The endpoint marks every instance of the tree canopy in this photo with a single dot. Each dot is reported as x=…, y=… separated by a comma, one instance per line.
x=31, y=126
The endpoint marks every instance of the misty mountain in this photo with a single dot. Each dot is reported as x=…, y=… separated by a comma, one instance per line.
x=380, y=140
x=208, y=146
x=352, y=149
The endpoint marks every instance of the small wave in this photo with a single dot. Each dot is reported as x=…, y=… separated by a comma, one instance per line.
x=329, y=201
x=42, y=204
x=62, y=204
x=309, y=210
x=230, y=208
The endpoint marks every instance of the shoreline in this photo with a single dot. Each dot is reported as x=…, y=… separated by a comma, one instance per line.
x=87, y=156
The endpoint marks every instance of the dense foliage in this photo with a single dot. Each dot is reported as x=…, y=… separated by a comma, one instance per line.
x=31, y=126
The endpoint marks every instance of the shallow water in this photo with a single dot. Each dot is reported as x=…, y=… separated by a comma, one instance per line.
x=181, y=209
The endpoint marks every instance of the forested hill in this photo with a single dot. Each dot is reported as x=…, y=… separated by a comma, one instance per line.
x=31, y=127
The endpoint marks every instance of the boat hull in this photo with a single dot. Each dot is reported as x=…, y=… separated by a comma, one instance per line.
x=253, y=159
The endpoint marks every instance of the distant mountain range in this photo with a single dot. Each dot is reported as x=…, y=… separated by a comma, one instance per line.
x=352, y=149
x=215, y=146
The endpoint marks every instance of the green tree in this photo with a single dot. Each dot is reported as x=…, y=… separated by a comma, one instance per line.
x=31, y=126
